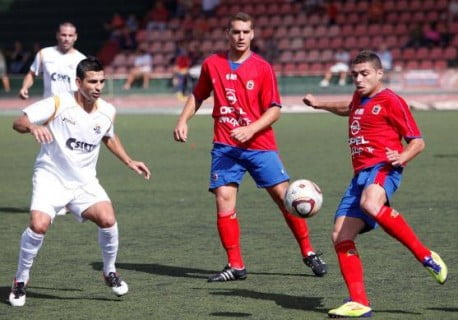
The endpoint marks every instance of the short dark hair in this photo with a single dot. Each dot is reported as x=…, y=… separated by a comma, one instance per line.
x=88, y=64
x=367, y=56
x=240, y=16
x=66, y=24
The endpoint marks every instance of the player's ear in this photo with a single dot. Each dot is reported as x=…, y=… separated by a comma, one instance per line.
x=252, y=35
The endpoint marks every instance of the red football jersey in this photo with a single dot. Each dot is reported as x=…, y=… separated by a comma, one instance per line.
x=377, y=123
x=241, y=96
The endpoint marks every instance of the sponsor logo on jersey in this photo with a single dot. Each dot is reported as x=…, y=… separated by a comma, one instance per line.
x=60, y=77
x=74, y=144
x=376, y=109
x=250, y=85
x=359, y=112
x=231, y=76
x=71, y=121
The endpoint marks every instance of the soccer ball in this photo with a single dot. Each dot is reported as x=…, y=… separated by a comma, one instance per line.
x=303, y=198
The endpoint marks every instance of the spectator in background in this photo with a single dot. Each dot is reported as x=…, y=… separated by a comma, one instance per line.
x=431, y=35
x=385, y=57
x=4, y=73
x=209, y=7
x=141, y=69
x=181, y=67
x=132, y=23
x=415, y=37
x=332, y=10
x=271, y=51
x=115, y=26
x=127, y=40
x=453, y=11
x=376, y=12
x=157, y=17
x=340, y=67
x=18, y=58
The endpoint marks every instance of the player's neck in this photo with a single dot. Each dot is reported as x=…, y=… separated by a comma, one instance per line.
x=88, y=105
x=238, y=57
x=63, y=51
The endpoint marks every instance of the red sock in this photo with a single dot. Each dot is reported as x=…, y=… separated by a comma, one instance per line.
x=229, y=233
x=301, y=232
x=352, y=270
x=395, y=225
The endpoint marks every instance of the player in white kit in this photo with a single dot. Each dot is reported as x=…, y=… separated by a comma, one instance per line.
x=56, y=63
x=70, y=129
x=58, y=66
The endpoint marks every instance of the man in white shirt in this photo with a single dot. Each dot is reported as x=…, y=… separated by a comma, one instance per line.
x=70, y=129
x=57, y=64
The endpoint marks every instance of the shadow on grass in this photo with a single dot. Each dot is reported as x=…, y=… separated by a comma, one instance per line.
x=180, y=272
x=231, y=314
x=14, y=210
x=446, y=309
x=5, y=291
x=283, y=300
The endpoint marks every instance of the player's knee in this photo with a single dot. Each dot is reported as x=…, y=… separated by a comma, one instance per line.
x=370, y=207
x=106, y=221
x=39, y=227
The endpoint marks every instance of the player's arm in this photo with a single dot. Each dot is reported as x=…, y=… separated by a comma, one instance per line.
x=41, y=133
x=341, y=108
x=245, y=133
x=114, y=144
x=413, y=148
x=180, y=133
x=26, y=84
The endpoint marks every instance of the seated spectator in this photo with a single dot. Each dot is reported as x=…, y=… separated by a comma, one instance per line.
x=340, y=67
x=453, y=11
x=209, y=7
x=115, y=26
x=431, y=35
x=4, y=73
x=132, y=23
x=157, y=17
x=142, y=68
x=332, y=11
x=376, y=12
x=18, y=58
x=385, y=57
x=415, y=39
x=127, y=40
x=181, y=67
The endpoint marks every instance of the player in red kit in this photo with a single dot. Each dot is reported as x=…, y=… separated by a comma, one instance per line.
x=378, y=121
x=246, y=104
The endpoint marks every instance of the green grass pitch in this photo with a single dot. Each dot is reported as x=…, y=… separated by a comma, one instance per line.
x=169, y=242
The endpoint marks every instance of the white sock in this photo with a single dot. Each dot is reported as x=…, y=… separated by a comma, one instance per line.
x=30, y=244
x=108, y=242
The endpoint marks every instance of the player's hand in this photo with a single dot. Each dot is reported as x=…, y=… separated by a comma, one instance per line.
x=140, y=168
x=242, y=134
x=180, y=133
x=41, y=133
x=394, y=157
x=310, y=100
x=24, y=93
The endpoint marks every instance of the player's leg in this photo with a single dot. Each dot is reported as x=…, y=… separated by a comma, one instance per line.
x=344, y=235
x=229, y=233
x=42, y=212
x=373, y=203
x=300, y=230
x=31, y=241
x=225, y=176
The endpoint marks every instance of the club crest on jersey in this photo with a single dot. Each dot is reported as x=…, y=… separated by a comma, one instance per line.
x=376, y=109
x=250, y=85
x=230, y=96
x=355, y=127
x=97, y=129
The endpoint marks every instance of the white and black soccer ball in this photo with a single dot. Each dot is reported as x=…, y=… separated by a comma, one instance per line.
x=303, y=198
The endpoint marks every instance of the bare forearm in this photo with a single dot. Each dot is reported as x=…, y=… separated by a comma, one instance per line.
x=190, y=108
x=115, y=146
x=28, y=80
x=413, y=148
x=22, y=124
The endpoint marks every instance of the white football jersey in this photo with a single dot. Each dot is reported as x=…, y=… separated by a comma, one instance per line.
x=59, y=70
x=72, y=155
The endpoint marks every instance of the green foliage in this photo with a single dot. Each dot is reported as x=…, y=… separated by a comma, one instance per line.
x=169, y=243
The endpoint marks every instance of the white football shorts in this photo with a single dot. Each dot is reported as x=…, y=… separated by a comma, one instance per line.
x=50, y=196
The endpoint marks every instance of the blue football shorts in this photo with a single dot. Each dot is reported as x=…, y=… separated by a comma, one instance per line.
x=229, y=165
x=383, y=174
